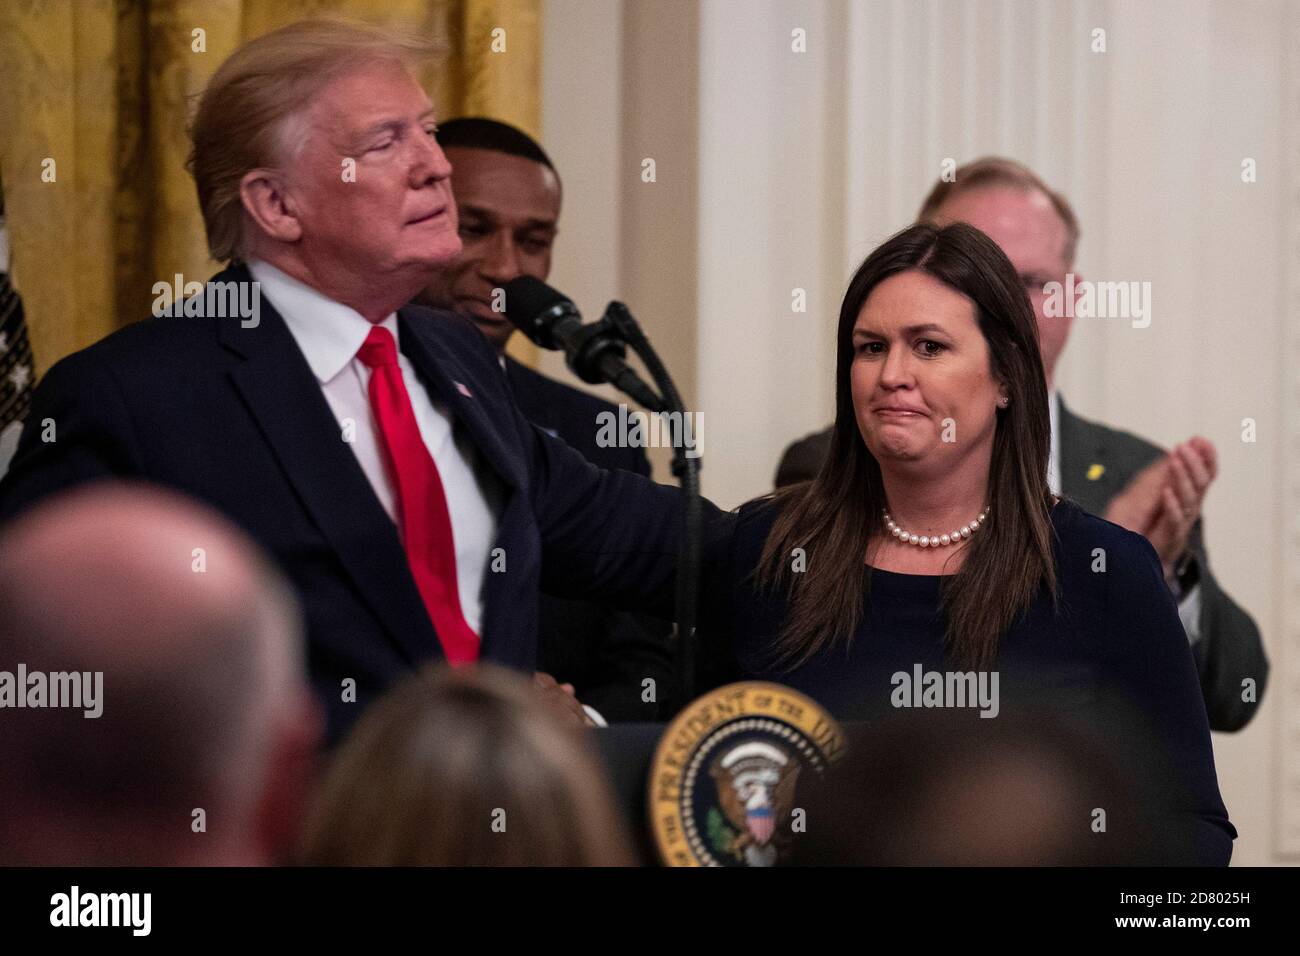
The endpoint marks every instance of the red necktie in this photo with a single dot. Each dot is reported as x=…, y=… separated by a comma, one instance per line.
x=423, y=519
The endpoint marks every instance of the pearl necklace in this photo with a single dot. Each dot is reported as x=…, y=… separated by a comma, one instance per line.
x=938, y=541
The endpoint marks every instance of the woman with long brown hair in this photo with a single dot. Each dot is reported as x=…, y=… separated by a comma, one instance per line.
x=928, y=565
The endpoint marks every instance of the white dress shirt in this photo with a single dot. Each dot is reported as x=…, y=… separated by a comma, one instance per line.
x=329, y=335
x=1189, y=606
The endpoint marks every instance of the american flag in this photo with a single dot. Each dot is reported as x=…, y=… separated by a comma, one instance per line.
x=16, y=369
x=761, y=823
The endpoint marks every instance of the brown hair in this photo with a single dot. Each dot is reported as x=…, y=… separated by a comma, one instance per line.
x=999, y=171
x=834, y=516
x=430, y=768
x=252, y=107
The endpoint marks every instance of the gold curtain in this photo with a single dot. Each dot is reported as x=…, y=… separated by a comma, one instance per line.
x=95, y=99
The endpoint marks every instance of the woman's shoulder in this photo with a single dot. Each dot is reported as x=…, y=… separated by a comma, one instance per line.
x=762, y=509
x=1099, y=556
x=749, y=526
x=1076, y=527
x=754, y=519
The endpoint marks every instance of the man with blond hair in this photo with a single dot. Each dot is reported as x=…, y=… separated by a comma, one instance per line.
x=1110, y=472
x=376, y=454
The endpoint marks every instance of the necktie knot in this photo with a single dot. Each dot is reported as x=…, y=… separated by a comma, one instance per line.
x=378, y=349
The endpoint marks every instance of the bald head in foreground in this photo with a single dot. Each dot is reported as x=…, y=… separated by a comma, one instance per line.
x=153, y=702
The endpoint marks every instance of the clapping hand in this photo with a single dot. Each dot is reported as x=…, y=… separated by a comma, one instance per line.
x=1164, y=501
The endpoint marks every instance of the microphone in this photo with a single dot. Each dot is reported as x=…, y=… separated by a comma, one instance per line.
x=594, y=353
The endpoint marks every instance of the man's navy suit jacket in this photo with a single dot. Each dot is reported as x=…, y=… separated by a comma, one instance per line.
x=606, y=654
x=234, y=416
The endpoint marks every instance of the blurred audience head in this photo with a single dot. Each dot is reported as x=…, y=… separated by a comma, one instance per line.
x=508, y=203
x=314, y=150
x=1033, y=225
x=186, y=729
x=465, y=767
x=956, y=790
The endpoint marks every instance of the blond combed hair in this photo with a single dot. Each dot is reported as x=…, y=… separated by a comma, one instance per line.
x=1000, y=171
x=251, y=112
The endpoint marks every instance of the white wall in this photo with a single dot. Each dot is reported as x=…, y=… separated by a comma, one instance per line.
x=781, y=170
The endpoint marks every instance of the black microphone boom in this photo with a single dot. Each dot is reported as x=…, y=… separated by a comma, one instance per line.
x=552, y=321
x=595, y=353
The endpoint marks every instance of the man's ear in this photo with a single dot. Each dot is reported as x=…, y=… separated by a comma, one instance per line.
x=291, y=769
x=264, y=197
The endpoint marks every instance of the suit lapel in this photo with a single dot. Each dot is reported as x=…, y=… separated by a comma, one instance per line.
x=283, y=395
x=526, y=386
x=446, y=379
x=1087, y=473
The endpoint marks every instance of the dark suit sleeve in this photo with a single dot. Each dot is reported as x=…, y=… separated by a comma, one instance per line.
x=636, y=461
x=607, y=654
x=609, y=536
x=79, y=406
x=640, y=645
x=1154, y=671
x=1229, y=650
x=635, y=647
x=605, y=535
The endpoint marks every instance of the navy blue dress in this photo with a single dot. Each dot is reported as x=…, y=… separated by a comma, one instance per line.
x=1111, y=656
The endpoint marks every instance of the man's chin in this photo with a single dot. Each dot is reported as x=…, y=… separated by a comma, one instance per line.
x=498, y=333
x=437, y=256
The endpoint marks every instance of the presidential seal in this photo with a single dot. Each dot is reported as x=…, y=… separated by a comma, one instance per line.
x=726, y=775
